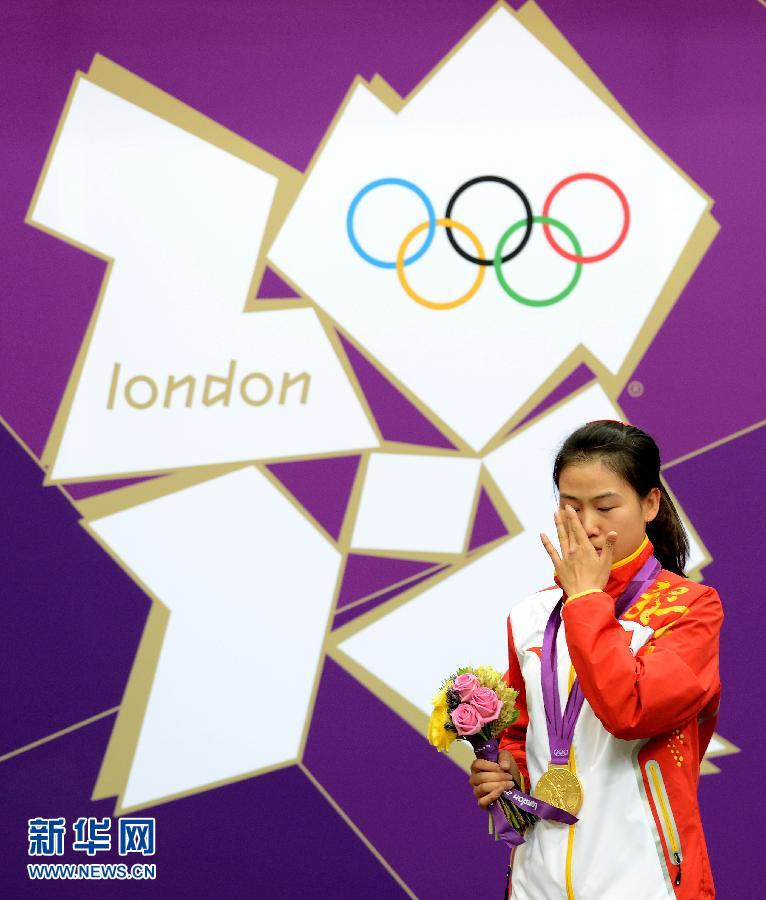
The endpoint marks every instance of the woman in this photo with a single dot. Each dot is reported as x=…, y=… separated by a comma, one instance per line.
x=638, y=647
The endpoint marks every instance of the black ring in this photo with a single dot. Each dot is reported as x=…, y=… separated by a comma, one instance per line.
x=521, y=195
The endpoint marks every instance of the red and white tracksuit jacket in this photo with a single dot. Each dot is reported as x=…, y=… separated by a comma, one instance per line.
x=652, y=691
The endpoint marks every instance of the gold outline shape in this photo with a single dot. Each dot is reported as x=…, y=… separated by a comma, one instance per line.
x=332, y=327
x=474, y=511
x=57, y=734
x=531, y=17
x=357, y=830
x=728, y=749
x=440, y=557
x=118, y=759
x=402, y=583
x=714, y=445
x=35, y=459
x=111, y=77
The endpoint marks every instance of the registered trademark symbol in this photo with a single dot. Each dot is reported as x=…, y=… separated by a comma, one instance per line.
x=635, y=388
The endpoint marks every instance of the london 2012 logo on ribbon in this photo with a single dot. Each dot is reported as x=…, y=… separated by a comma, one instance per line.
x=500, y=256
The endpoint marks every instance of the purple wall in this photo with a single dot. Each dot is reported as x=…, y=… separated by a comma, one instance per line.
x=691, y=73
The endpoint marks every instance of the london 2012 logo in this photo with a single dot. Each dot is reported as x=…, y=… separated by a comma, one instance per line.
x=247, y=567
x=500, y=256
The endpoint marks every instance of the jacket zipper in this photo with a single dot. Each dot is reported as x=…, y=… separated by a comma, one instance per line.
x=665, y=814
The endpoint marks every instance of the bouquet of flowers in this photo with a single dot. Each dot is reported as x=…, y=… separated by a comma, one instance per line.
x=476, y=705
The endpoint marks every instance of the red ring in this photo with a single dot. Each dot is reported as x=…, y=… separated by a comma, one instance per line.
x=625, y=210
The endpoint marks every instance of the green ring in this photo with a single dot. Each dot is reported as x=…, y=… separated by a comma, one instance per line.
x=497, y=262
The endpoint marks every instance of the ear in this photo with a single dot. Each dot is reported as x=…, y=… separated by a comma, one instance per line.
x=651, y=504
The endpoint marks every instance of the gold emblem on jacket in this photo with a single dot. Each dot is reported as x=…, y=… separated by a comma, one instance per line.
x=659, y=602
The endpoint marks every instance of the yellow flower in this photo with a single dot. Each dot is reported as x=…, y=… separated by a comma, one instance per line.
x=437, y=734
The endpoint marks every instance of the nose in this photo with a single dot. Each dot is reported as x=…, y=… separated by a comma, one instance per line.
x=588, y=519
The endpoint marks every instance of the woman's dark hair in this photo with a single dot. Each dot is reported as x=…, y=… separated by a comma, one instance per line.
x=635, y=457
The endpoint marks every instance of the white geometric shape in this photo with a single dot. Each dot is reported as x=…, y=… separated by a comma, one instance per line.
x=249, y=583
x=184, y=221
x=492, y=346
x=416, y=503
x=715, y=746
x=459, y=621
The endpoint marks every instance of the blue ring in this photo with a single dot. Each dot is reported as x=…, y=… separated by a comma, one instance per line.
x=381, y=182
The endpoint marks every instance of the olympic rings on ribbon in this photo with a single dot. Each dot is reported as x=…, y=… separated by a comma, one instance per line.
x=498, y=259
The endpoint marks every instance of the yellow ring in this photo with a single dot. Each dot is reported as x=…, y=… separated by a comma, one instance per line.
x=451, y=304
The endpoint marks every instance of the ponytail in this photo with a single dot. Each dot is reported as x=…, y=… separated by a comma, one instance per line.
x=635, y=457
x=667, y=533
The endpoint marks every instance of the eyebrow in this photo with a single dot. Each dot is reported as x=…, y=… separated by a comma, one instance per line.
x=597, y=497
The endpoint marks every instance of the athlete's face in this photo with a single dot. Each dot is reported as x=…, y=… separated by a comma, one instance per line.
x=604, y=502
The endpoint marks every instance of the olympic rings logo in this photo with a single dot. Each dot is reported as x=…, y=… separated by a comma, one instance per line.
x=500, y=257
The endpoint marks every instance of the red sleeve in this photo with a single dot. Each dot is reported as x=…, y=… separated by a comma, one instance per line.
x=514, y=738
x=667, y=683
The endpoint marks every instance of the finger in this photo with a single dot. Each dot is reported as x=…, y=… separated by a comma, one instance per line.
x=561, y=529
x=572, y=523
x=491, y=778
x=611, y=540
x=488, y=795
x=484, y=765
x=504, y=760
x=500, y=789
x=496, y=787
x=581, y=535
x=550, y=550
x=508, y=764
x=489, y=799
x=481, y=778
x=485, y=799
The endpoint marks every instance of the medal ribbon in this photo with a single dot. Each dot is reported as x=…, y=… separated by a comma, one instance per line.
x=561, y=728
x=526, y=803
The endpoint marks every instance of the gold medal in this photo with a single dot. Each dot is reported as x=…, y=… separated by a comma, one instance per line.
x=560, y=787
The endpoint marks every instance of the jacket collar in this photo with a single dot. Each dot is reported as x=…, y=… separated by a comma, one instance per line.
x=624, y=569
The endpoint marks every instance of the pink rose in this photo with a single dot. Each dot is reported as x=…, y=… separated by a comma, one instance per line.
x=466, y=719
x=465, y=685
x=487, y=704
